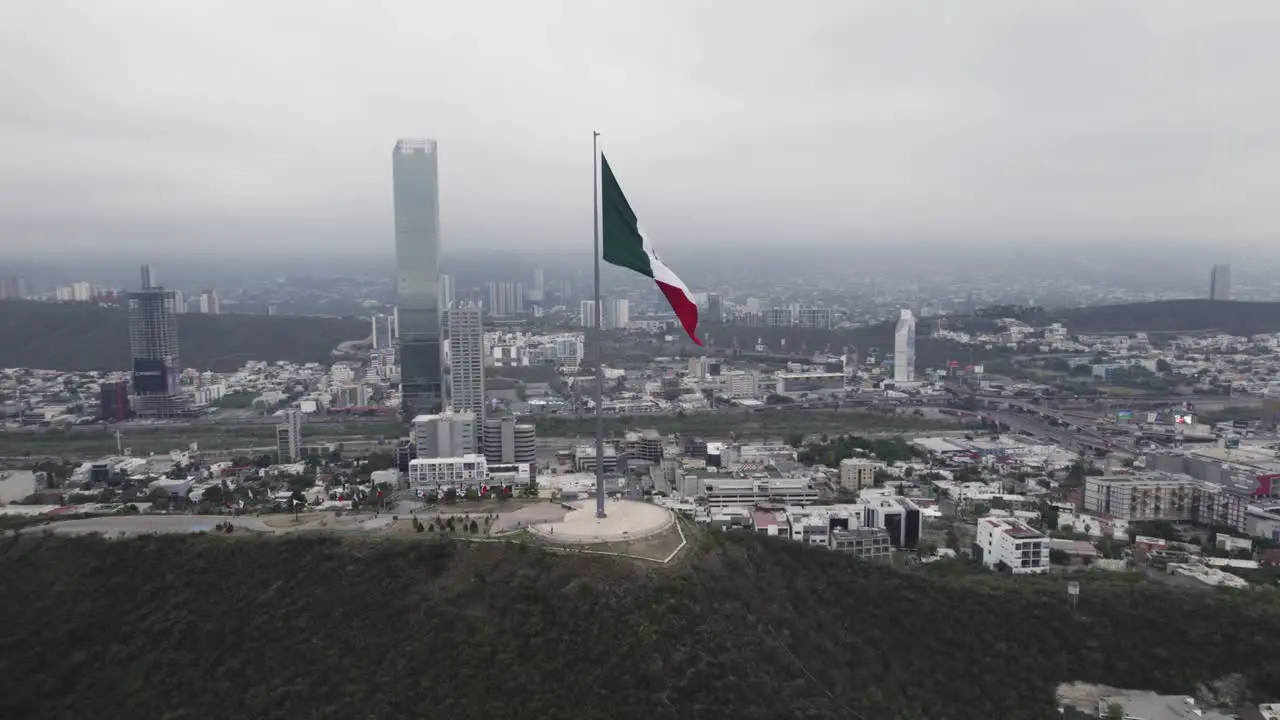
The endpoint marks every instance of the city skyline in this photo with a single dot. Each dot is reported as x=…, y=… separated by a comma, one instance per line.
x=1139, y=124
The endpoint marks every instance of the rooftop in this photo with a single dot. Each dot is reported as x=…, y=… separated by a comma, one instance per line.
x=1013, y=528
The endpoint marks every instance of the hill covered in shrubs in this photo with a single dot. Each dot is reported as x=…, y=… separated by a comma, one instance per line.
x=742, y=627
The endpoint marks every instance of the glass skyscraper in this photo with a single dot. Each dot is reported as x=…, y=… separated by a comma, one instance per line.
x=153, y=344
x=415, y=178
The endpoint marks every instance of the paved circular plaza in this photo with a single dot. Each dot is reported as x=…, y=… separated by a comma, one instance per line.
x=624, y=520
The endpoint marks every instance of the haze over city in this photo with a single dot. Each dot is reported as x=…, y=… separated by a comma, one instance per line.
x=238, y=130
x=918, y=360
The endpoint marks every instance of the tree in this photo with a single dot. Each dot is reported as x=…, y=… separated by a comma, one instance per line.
x=1115, y=711
x=474, y=527
x=213, y=495
x=298, y=501
x=1163, y=366
x=378, y=461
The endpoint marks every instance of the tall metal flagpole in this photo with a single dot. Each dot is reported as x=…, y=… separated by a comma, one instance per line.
x=599, y=346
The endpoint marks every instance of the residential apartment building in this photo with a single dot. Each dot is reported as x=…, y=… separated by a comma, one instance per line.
x=587, y=313
x=289, y=436
x=1142, y=497
x=466, y=360
x=1010, y=545
x=739, y=385
x=856, y=474
x=617, y=314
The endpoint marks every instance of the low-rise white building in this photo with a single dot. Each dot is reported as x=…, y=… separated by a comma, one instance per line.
x=732, y=491
x=1004, y=544
x=516, y=475
x=458, y=473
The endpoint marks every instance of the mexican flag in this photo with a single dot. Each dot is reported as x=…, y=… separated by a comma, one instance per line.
x=625, y=245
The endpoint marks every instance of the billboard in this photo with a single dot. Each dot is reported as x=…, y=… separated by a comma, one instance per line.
x=150, y=376
x=1266, y=485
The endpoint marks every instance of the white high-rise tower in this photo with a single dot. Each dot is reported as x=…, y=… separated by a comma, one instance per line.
x=466, y=360
x=904, y=348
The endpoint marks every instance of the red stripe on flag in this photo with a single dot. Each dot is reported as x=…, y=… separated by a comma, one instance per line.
x=685, y=309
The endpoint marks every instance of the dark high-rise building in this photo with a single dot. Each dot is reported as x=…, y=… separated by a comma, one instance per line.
x=1220, y=282
x=153, y=345
x=113, y=400
x=414, y=170
x=715, y=308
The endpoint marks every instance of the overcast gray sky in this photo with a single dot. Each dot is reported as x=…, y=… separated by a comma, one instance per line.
x=235, y=126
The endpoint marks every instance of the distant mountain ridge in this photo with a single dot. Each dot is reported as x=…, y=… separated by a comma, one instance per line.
x=1169, y=316
x=82, y=336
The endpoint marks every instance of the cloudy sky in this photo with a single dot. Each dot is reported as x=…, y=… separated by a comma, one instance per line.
x=238, y=127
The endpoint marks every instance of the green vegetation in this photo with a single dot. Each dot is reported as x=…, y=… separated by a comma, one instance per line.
x=743, y=627
x=771, y=423
x=236, y=401
x=1231, y=414
x=830, y=452
x=81, y=336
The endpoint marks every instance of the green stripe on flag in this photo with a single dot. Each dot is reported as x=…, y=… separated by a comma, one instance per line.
x=623, y=245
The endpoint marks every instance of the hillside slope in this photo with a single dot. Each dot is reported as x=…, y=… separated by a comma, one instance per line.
x=1236, y=318
x=747, y=627
x=77, y=336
